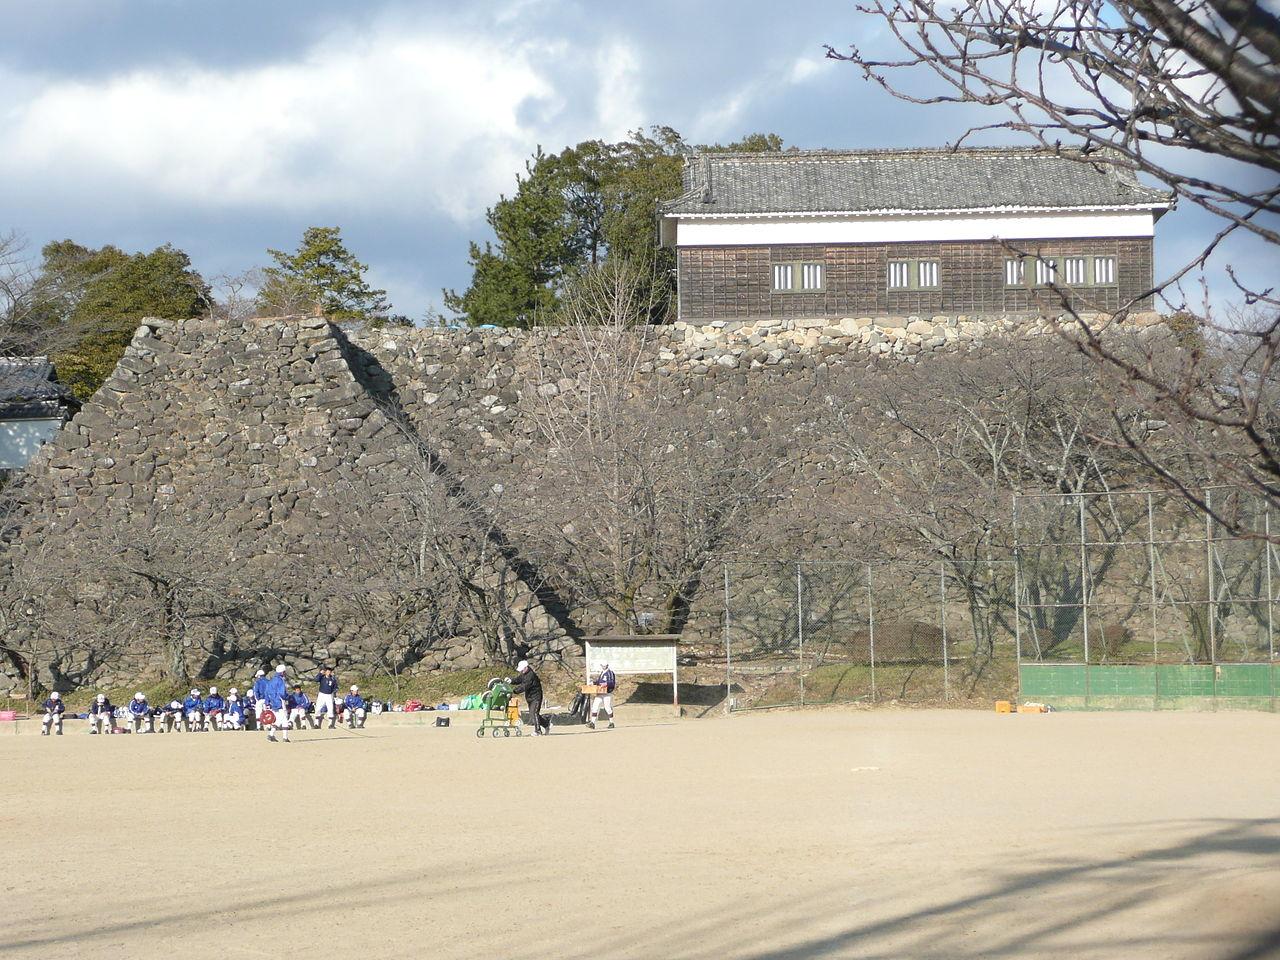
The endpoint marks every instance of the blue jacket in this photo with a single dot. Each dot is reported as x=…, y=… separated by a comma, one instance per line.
x=258, y=686
x=275, y=692
x=608, y=679
x=235, y=708
x=213, y=703
x=96, y=708
x=192, y=703
x=54, y=706
x=139, y=708
x=298, y=701
x=328, y=683
x=353, y=701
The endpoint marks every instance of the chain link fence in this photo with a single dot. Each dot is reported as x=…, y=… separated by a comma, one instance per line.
x=815, y=632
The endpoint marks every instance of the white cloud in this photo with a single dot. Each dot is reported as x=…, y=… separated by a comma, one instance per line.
x=395, y=118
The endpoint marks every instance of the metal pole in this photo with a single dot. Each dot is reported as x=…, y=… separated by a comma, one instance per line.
x=871, y=629
x=1151, y=560
x=800, y=626
x=1017, y=593
x=1208, y=547
x=946, y=665
x=1266, y=546
x=1084, y=587
x=728, y=652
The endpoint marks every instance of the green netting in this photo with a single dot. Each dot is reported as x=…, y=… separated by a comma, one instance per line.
x=1245, y=680
x=1185, y=680
x=1167, y=686
x=1045, y=681
x=1119, y=681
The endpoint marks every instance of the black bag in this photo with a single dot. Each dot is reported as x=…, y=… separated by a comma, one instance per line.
x=579, y=706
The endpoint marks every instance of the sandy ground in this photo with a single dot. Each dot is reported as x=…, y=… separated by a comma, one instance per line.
x=784, y=835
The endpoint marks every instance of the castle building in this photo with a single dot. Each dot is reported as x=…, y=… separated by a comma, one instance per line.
x=821, y=233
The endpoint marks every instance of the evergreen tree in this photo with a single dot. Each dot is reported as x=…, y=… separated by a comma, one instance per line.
x=323, y=274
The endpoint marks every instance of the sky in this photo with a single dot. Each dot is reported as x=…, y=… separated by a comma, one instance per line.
x=227, y=128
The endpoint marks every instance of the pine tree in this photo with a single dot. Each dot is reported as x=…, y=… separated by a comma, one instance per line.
x=322, y=275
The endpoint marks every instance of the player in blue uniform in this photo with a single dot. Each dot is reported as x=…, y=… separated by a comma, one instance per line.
x=214, y=705
x=139, y=714
x=354, y=708
x=193, y=711
x=275, y=697
x=102, y=715
x=233, y=718
x=54, y=708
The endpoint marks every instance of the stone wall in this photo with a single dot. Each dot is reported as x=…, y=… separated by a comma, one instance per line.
x=269, y=436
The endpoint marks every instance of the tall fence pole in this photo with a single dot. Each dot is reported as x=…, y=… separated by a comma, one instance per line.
x=1084, y=585
x=1151, y=560
x=946, y=665
x=1208, y=548
x=800, y=626
x=1017, y=594
x=1266, y=546
x=871, y=630
x=728, y=653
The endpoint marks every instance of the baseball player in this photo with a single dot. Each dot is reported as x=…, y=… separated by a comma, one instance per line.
x=170, y=716
x=354, y=708
x=193, y=711
x=255, y=697
x=275, y=697
x=605, y=684
x=299, y=703
x=54, y=708
x=139, y=714
x=214, y=705
x=233, y=718
x=101, y=715
x=328, y=684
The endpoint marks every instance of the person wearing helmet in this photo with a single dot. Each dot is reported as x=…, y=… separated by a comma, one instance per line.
x=170, y=716
x=299, y=704
x=528, y=685
x=275, y=697
x=54, y=708
x=353, y=708
x=193, y=711
x=606, y=681
x=327, y=682
x=101, y=715
x=214, y=705
x=233, y=717
x=255, y=696
x=139, y=714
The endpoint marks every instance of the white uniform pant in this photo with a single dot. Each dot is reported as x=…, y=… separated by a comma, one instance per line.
x=194, y=719
x=100, y=722
x=355, y=718
x=602, y=700
x=324, y=704
x=168, y=722
x=231, y=721
x=52, y=720
x=139, y=723
x=281, y=722
x=213, y=721
x=298, y=716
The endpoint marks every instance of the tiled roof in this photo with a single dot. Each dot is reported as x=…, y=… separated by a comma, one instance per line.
x=29, y=389
x=831, y=181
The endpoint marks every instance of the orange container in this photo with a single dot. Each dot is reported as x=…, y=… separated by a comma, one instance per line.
x=1004, y=706
x=1034, y=708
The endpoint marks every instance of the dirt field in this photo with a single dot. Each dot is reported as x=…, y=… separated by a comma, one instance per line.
x=786, y=835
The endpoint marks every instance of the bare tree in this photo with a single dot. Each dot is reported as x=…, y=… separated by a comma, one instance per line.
x=1184, y=91
x=34, y=312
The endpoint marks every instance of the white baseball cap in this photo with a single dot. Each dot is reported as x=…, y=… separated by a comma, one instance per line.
x=234, y=691
x=102, y=697
x=261, y=673
x=213, y=689
x=139, y=696
x=195, y=693
x=354, y=688
x=522, y=666
x=55, y=695
x=280, y=669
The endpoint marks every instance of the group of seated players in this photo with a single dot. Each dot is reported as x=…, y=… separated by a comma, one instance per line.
x=213, y=712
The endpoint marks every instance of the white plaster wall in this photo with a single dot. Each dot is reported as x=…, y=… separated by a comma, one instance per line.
x=905, y=229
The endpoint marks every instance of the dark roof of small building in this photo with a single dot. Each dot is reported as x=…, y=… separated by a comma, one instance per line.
x=904, y=181
x=29, y=389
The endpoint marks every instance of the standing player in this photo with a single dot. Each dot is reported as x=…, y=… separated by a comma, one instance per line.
x=328, y=684
x=54, y=708
x=354, y=708
x=139, y=714
x=527, y=683
x=255, y=697
x=214, y=705
x=275, y=697
x=605, y=684
x=102, y=715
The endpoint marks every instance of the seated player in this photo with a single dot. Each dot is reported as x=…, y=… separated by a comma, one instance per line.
x=299, y=705
x=233, y=716
x=102, y=715
x=193, y=711
x=214, y=705
x=54, y=708
x=139, y=714
x=354, y=708
x=169, y=716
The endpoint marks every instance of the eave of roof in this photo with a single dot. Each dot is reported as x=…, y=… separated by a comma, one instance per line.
x=887, y=212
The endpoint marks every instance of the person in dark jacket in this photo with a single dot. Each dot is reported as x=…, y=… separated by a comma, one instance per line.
x=299, y=704
x=529, y=686
x=102, y=715
x=169, y=716
x=54, y=708
x=328, y=684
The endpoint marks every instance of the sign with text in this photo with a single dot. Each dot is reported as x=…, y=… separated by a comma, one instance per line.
x=631, y=658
